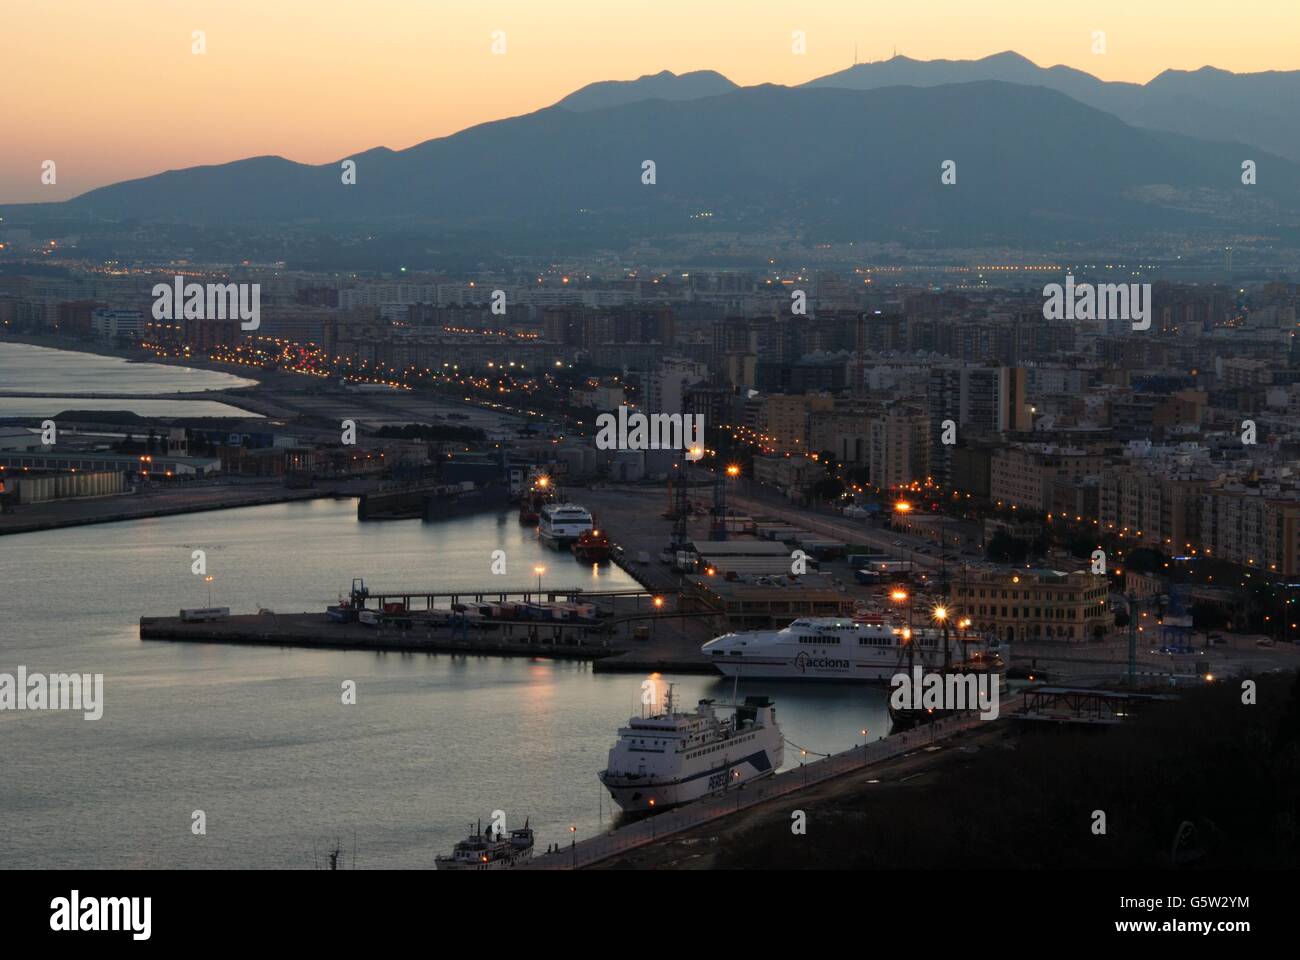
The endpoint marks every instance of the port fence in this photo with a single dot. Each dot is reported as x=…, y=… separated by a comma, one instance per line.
x=659, y=826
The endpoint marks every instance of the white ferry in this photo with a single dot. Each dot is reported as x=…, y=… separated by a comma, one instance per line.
x=835, y=648
x=562, y=523
x=673, y=758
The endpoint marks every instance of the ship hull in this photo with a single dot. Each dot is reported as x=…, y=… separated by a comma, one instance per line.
x=790, y=669
x=558, y=538
x=900, y=720
x=634, y=794
x=504, y=863
x=484, y=499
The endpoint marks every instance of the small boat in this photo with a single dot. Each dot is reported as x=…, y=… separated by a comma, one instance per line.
x=342, y=612
x=591, y=547
x=489, y=851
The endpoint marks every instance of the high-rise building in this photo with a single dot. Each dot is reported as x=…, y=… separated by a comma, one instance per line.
x=898, y=449
x=980, y=402
x=669, y=382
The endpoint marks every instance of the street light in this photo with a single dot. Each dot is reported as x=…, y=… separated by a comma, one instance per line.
x=573, y=845
x=899, y=596
x=208, y=581
x=539, y=570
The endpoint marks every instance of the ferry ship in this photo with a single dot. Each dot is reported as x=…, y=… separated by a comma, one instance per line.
x=835, y=648
x=673, y=758
x=562, y=523
x=488, y=851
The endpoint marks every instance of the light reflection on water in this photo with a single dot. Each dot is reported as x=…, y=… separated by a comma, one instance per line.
x=258, y=739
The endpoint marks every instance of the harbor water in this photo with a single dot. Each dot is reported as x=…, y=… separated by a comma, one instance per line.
x=259, y=740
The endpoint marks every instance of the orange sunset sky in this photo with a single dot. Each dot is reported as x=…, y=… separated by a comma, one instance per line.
x=110, y=90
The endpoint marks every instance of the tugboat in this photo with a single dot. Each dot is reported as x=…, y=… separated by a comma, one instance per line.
x=488, y=851
x=540, y=491
x=591, y=547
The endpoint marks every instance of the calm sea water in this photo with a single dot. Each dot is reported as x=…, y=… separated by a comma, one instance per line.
x=259, y=739
x=57, y=372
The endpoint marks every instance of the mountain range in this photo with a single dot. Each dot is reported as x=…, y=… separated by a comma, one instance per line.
x=1039, y=153
x=1206, y=103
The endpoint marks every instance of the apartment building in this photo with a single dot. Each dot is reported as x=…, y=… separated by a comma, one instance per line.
x=1034, y=604
x=1021, y=476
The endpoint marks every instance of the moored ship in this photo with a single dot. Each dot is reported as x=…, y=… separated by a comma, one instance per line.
x=673, y=758
x=592, y=547
x=538, y=492
x=560, y=524
x=488, y=850
x=832, y=648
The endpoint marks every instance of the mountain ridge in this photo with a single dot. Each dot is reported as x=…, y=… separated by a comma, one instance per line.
x=758, y=158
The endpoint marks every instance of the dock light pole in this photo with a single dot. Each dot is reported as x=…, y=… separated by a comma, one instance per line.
x=652, y=818
x=539, y=570
x=940, y=614
x=733, y=473
x=573, y=845
x=208, y=581
x=898, y=596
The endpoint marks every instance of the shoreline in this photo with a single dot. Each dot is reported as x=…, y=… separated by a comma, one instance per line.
x=236, y=395
x=15, y=527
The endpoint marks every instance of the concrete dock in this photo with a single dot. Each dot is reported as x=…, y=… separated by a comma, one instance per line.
x=610, y=642
x=513, y=638
x=163, y=502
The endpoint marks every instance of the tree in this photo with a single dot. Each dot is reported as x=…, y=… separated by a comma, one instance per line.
x=827, y=488
x=1004, y=548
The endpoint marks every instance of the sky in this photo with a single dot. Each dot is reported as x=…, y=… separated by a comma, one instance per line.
x=111, y=90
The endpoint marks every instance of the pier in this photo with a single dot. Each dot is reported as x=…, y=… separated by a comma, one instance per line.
x=436, y=622
x=655, y=827
x=1083, y=705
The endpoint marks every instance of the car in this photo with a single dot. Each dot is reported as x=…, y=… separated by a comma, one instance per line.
x=1217, y=641
x=1263, y=642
